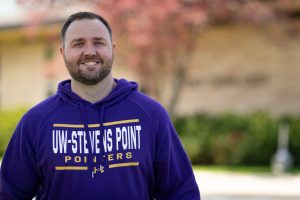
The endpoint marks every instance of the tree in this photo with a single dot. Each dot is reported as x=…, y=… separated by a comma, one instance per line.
x=161, y=35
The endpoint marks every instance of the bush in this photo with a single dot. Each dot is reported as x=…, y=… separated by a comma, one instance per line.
x=231, y=139
x=295, y=139
x=8, y=122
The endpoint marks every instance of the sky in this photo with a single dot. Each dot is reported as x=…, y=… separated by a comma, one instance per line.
x=8, y=7
x=9, y=11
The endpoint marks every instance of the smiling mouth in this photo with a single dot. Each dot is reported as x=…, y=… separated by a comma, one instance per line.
x=90, y=63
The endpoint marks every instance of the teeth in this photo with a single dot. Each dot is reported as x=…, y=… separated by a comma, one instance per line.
x=90, y=63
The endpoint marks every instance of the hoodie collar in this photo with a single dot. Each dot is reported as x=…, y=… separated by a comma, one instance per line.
x=122, y=89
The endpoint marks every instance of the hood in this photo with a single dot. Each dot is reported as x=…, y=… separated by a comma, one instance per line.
x=122, y=89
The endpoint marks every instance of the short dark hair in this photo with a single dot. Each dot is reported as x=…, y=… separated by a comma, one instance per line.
x=80, y=16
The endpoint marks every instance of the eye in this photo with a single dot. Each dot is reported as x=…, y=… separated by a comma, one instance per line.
x=78, y=44
x=99, y=43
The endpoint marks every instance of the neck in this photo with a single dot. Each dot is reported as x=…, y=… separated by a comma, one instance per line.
x=93, y=93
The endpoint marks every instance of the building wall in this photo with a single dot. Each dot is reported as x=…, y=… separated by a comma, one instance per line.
x=243, y=69
x=21, y=74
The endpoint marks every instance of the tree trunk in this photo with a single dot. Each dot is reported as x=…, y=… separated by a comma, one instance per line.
x=179, y=78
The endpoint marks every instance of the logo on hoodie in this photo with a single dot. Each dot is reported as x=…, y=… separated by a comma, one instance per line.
x=112, y=142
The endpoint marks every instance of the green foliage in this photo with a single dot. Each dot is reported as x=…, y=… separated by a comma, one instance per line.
x=231, y=139
x=8, y=122
x=295, y=139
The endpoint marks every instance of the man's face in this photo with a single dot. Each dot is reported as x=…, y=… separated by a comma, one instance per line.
x=88, y=51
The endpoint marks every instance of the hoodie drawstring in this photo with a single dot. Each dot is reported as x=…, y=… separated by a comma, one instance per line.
x=101, y=155
x=102, y=111
x=92, y=165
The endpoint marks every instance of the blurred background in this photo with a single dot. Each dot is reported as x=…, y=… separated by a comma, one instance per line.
x=228, y=72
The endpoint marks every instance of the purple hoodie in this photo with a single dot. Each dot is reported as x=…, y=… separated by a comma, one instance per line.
x=122, y=147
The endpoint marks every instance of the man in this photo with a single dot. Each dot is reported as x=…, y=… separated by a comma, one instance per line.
x=98, y=137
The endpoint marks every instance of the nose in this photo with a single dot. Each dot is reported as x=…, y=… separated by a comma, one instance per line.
x=89, y=50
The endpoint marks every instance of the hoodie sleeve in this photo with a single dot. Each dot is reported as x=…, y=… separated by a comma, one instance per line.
x=174, y=178
x=18, y=175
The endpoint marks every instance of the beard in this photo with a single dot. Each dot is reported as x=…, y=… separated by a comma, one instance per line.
x=89, y=77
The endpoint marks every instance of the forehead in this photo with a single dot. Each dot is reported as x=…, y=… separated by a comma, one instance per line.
x=86, y=28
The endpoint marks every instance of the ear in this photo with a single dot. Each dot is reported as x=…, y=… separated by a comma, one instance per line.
x=113, y=46
x=61, y=49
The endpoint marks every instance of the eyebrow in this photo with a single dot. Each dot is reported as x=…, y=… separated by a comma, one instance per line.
x=99, y=38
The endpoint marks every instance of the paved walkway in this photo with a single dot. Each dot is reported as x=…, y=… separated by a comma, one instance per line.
x=235, y=185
